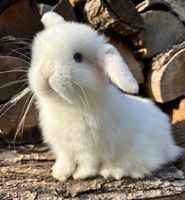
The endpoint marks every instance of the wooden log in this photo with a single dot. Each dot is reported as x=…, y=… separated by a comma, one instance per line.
x=166, y=78
x=117, y=16
x=163, y=30
x=26, y=170
x=19, y=18
x=134, y=64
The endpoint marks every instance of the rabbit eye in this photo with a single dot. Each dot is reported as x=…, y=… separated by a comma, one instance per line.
x=78, y=57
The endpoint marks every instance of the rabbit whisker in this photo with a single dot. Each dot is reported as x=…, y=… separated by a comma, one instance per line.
x=16, y=58
x=19, y=53
x=82, y=100
x=12, y=83
x=12, y=71
x=27, y=105
x=83, y=92
x=20, y=95
x=18, y=38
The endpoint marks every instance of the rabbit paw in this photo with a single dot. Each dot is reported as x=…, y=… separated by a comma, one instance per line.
x=114, y=172
x=136, y=175
x=83, y=172
x=62, y=171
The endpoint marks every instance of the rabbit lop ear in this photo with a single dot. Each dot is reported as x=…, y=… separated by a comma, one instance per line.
x=50, y=19
x=117, y=70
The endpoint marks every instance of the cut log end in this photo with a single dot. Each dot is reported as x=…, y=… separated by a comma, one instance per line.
x=163, y=30
x=166, y=79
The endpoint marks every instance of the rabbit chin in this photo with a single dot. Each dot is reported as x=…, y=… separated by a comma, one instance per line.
x=62, y=93
x=65, y=95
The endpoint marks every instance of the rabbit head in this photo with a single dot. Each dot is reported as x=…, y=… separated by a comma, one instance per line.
x=69, y=56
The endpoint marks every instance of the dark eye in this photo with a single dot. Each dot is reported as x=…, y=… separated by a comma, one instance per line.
x=78, y=57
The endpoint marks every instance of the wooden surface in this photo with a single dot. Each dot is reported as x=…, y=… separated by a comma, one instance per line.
x=25, y=174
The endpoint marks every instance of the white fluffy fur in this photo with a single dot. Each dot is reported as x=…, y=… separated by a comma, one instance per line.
x=51, y=19
x=90, y=125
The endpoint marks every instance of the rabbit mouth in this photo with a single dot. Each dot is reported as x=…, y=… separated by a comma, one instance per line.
x=62, y=88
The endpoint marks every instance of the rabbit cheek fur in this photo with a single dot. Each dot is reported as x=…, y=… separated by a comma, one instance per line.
x=92, y=128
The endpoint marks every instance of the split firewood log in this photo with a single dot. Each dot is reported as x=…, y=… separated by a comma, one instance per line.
x=166, y=79
x=116, y=16
x=19, y=18
x=163, y=30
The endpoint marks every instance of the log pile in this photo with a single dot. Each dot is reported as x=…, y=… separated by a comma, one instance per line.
x=150, y=35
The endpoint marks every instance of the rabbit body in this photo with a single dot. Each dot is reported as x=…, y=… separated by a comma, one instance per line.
x=93, y=128
x=123, y=136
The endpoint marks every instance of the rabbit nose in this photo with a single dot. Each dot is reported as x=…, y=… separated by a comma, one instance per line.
x=47, y=72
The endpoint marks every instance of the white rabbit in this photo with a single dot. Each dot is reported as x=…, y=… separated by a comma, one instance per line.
x=93, y=128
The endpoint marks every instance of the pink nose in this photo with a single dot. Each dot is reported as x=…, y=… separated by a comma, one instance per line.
x=47, y=72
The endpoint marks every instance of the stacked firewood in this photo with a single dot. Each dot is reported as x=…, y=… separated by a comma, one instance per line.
x=150, y=35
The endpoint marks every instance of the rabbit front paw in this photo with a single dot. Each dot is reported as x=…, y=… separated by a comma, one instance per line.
x=62, y=170
x=119, y=172
x=112, y=172
x=83, y=172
